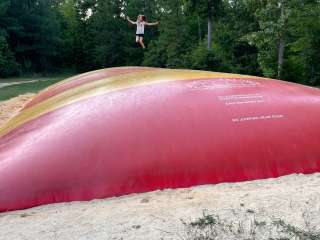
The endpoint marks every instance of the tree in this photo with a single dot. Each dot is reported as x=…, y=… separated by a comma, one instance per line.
x=304, y=49
x=8, y=64
x=69, y=21
x=230, y=45
x=208, y=9
x=178, y=34
x=271, y=38
x=33, y=33
x=287, y=38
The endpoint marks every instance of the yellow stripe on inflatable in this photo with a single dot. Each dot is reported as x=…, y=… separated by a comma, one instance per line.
x=70, y=79
x=92, y=72
x=106, y=85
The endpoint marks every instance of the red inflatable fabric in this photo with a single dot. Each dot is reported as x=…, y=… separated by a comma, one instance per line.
x=154, y=129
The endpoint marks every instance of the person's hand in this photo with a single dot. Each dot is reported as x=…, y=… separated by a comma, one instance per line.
x=157, y=22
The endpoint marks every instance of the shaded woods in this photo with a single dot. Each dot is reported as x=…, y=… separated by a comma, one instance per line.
x=272, y=38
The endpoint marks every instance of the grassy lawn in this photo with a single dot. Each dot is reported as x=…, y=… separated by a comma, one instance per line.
x=8, y=92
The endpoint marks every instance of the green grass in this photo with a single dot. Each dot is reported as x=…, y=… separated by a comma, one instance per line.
x=248, y=225
x=8, y=92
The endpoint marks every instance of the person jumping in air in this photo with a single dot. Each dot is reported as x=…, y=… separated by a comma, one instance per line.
x=141, y=23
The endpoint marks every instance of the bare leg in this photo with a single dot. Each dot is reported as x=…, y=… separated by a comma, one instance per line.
x=141, y=43
x=137, y=39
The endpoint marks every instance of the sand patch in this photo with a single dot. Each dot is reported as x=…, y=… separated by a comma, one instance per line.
x=157, y=215
x=11, y=107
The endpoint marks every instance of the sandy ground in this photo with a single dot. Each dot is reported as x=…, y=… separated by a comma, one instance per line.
x=157, y=215
x=250, y=208
x=11, y=107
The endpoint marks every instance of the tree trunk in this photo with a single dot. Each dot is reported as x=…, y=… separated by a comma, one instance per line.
x=209, y=32
x=281, y=41
x=280, y=56
x=145, y=7
x=199, y=30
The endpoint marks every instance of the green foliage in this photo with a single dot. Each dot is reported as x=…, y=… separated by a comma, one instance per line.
x=174, y=42
x=303, y=61
x=33, y=33
x=50, y=35
x=206, y=8
x=8, y=64
x=266, y=38
x=69, y=25
x=230, y=44
x=296, y=23
x=204, y=221
x=203, y=59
